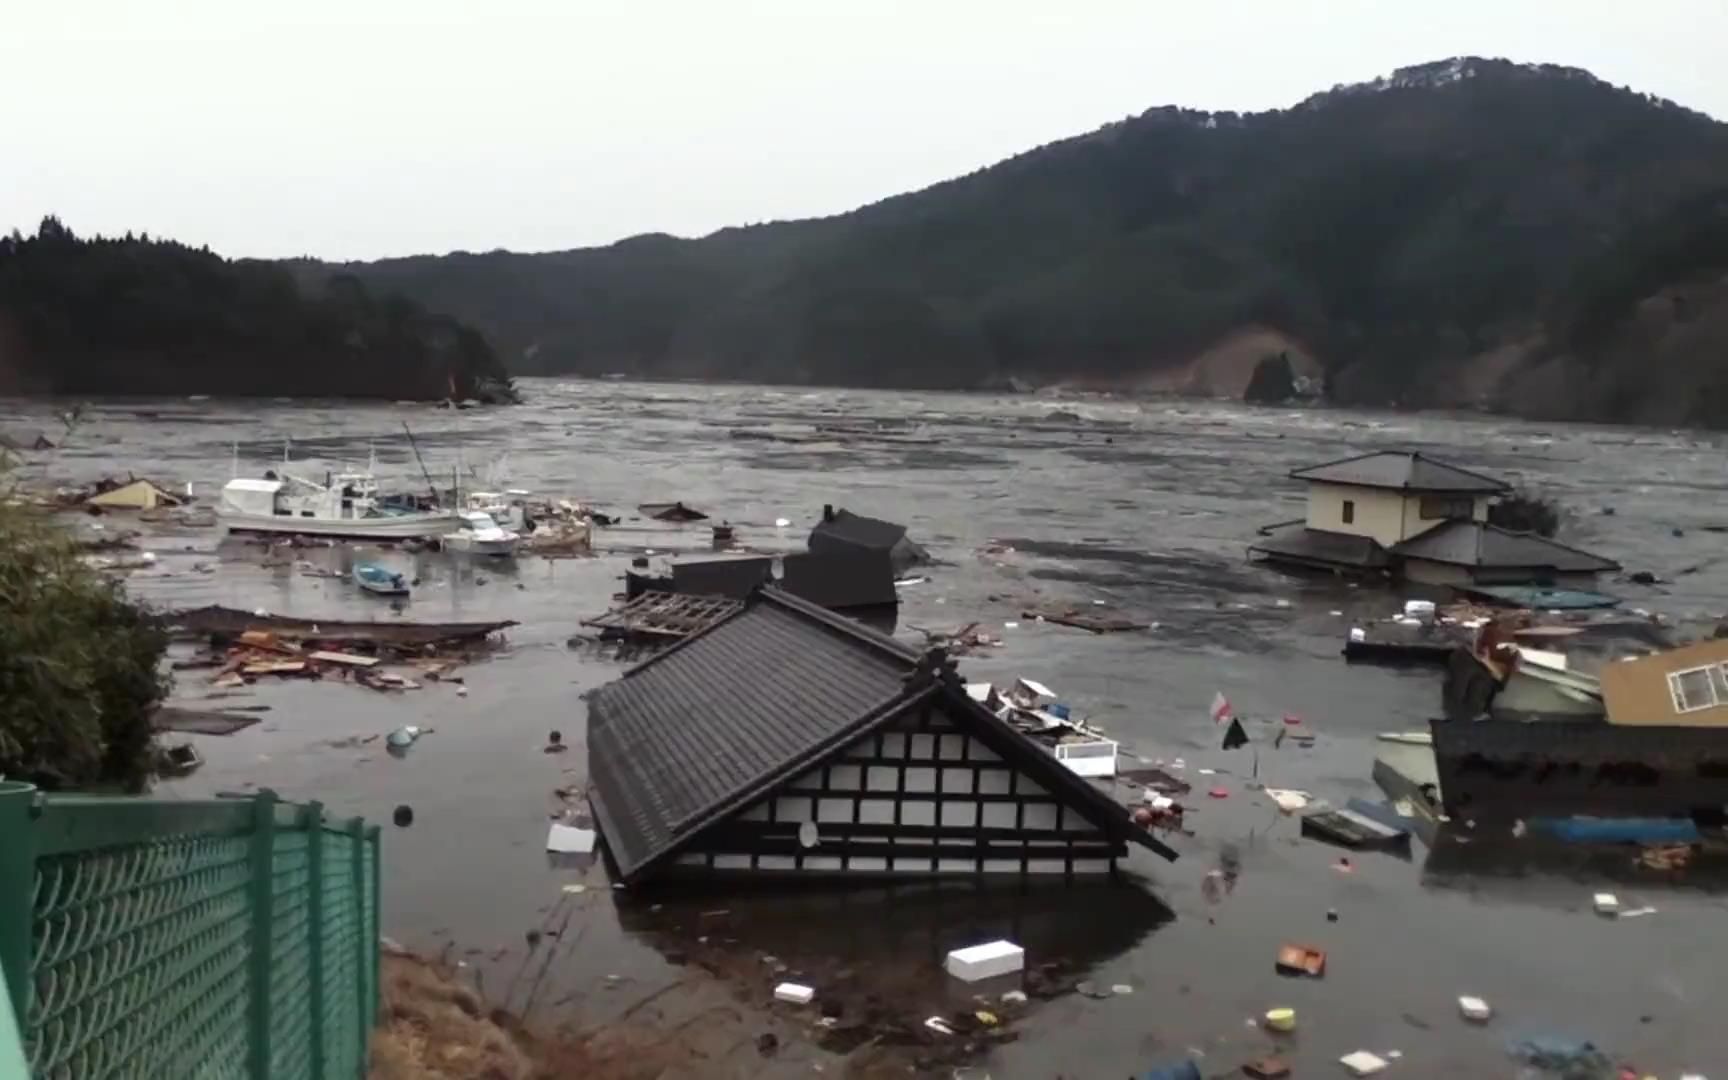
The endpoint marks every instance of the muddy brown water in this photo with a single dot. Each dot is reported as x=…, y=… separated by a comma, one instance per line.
x=1147, y=506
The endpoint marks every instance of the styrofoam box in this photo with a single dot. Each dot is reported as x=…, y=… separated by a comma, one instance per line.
x=986, y=961
x=797, y=995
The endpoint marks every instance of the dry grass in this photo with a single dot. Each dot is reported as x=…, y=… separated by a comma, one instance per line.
x=435, y=1028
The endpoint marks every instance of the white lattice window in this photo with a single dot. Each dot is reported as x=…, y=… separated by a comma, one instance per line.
x=1698, y=688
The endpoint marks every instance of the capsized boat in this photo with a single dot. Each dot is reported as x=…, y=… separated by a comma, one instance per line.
x=380, y=580
x=345, y=505
x=479, y=534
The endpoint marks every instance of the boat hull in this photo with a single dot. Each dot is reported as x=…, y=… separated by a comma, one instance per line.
x=406, y=527
x=497, y=549
x=1509, y=769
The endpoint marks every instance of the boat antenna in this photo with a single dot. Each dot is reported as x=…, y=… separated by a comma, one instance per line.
x=412, y=445
x=236, y=461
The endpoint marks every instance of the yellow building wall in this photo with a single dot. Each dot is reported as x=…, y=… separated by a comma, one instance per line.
x=1387, y=516
x=1635, y=692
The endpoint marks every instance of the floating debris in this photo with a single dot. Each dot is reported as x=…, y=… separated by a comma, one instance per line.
x=664, y=616
x=1080, y=620
x=794, y=993
x=1301, y=960
x=673, y=512
x=570, y=840
x=985, y=961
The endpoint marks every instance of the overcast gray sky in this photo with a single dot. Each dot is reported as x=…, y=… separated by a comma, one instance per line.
x=364, y=128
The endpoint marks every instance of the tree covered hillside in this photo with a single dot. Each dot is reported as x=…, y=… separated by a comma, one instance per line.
x=86, y=316
x=1395, y=230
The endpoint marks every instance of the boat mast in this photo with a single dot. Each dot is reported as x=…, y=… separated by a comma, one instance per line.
x=430, y=486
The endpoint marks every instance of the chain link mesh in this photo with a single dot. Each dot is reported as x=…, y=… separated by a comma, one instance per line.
x=144, y=956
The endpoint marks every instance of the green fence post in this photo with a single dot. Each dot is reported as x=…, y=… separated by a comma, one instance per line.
x=357, y=867
x=17, y=893
x=375, y=926
x=312, y=820
x=263, y=889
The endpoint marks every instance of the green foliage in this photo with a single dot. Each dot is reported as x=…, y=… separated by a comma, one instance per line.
x=139, y=316
x=1685, y=241
x=1395, y=228
x=78, y=665
x=1526, y=511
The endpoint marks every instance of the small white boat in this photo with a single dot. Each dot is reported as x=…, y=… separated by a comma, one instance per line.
x=346, y=505
x=479, y=534
x=507, y=508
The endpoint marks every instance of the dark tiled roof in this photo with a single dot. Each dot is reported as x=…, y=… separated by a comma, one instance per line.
x=841, y=577
x=1476, y=544
x=1401, y=470
x=1298, y=543
x=684, y=739
x=735, y=578
x=685, y=732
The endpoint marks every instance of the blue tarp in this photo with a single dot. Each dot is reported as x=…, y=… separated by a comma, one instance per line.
x=1529, y=596
x=1618, y=830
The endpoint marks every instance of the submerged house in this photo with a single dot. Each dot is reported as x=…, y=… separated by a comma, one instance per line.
x=1683, y=687
x=1604, y=720
x=842, y=531
x=788, y=740
x=1410, y=516
x=859, y=581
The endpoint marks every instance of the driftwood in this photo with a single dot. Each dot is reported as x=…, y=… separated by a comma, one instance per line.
x=1081, y=620
x=228, y=624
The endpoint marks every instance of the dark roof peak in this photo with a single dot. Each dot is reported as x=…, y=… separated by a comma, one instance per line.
x=1401, y=470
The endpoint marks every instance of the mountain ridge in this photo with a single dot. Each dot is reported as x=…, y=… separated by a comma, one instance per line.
x=1396, y=229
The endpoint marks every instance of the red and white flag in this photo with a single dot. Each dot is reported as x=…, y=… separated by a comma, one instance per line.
x=1220, y=708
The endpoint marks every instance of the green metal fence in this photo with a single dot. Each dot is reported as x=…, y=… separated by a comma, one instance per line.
x=155, y=938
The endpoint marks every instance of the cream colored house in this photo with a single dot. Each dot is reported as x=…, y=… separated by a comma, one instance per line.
x=1410, y=516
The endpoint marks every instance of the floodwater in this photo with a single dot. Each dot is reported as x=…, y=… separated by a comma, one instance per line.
x=1147, y=506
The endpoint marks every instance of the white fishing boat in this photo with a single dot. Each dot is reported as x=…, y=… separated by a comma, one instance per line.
x=346, y=505
x=479, y=534
x=506, y=508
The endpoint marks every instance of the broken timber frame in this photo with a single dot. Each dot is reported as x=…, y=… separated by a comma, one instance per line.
x=664, y=615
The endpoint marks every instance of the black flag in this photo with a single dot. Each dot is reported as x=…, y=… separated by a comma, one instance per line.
x=1235, y=735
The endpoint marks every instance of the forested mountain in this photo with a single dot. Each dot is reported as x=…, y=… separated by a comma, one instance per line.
x=1445, y=235
x=117, y=316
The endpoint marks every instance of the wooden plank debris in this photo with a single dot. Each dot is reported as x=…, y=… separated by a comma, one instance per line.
x=664, y=615
x=346, y=659
x=274, y=667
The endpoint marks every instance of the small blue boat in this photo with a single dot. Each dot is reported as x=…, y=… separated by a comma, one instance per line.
x=379, y=581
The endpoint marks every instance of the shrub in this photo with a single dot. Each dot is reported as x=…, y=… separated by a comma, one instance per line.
x=1526, y=511
x=78, y=665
